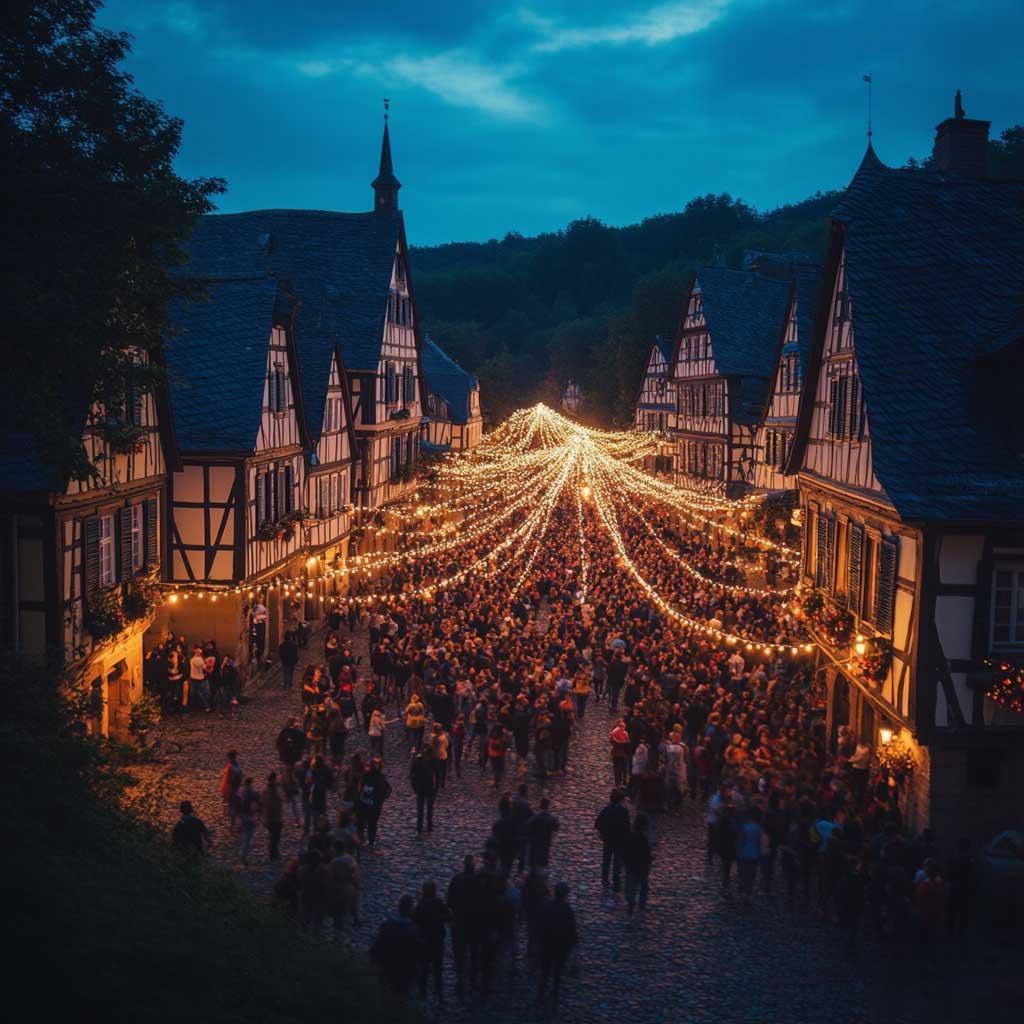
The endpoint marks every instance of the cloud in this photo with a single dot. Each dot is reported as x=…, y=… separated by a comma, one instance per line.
x=653, y=27
x=461, y=81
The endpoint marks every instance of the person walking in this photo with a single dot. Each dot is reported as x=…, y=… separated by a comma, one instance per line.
x=423, y=777
x=540, y=831
x=637, y=858
x=613, y=827
x=441, y=742
x=581, y=689
x=230, y=783
x=620, y=748
x=396, y=949
x=272, y=815
x=496, y=755
x=748, y=853
x=290, y=743
x=461, y=901
x=249, y=815
x=558, y=940
x=190, y=834
x=343, y=885
x=415, y=722
x=458, y=743
x=430, y=916
x=369, y=803
x=288, y=655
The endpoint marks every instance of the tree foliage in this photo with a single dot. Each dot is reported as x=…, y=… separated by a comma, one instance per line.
x=528, y=314
x=95, y=219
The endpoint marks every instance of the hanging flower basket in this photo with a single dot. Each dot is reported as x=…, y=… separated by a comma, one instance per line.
x=124, y=438
x=873, y=666
x=106, y=615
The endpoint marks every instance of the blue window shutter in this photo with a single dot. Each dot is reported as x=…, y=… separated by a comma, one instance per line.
x=854, y=566
x=289, y=492
x=261, y=498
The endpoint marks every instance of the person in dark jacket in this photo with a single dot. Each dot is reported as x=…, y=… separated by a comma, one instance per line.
x=540, y=830
x=430, y=916
x=506, y=834
x=558, y=938
x=288, y=655
x=373, y=791
x=423, y=776
x=613, y=827
x=462, y=891
x=637, y=857
x=396, y=949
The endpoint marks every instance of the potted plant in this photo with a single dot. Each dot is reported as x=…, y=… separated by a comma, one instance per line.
x=144, y=715
x=106, y=615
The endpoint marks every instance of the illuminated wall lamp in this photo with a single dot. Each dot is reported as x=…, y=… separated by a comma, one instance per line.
x=885, y=735
x=860, y=646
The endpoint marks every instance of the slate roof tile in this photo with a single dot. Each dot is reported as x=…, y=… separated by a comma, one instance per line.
x=445, y=377
x=744, y=311
x=934, y=265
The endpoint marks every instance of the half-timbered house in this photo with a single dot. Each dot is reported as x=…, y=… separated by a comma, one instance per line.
x=350, y=274
x=235, y=503
x=778, y=423
x=79, y=558
x=722, y=365
x=909, y=450
x=656, y=407
x=453, y=421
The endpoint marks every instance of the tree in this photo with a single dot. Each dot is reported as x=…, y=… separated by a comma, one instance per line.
x=95, y=221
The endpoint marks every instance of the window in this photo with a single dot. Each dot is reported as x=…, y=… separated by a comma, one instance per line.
x=138, y=552
x=1008, y=605
x=396, y=456
x=277, y=389
x=389, y=383
x=844, y=417
x=332, y=415
x=108, y=566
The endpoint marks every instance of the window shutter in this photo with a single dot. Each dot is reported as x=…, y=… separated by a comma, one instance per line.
x=885, y=599
x=91, y=561
x=855, y=565
x=149, y=524
x=124, y=546
x=821, y=560
x=289, y=490
x=136, y=402
x=261, y=498
x=830, y=566
x=389, y=383
x=854, y=408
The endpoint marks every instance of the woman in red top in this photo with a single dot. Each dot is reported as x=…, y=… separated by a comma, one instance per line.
x=621, y=745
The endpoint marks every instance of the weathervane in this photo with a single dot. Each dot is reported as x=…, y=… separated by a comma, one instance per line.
x=867, y=78
x=387, y=107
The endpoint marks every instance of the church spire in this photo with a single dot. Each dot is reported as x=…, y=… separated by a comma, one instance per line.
x=386, y=185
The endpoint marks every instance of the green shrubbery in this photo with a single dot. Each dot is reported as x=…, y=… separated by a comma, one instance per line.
x=106, y=922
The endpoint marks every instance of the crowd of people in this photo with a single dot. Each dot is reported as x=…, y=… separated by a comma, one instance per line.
x=482, y=670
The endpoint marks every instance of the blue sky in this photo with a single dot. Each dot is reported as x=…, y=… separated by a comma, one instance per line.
x=520, y=115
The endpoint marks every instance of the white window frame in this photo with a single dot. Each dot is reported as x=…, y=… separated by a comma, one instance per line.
x=138, y=538
x=108, y=555
x=1015, y=625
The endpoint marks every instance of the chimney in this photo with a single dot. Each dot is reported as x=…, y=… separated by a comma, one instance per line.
x=961, y=144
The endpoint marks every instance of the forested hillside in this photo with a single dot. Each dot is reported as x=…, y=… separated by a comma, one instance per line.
x=526, y=314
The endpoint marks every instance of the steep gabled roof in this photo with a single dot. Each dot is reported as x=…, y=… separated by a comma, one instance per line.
x=664, y=346
x=445, y=377
x=807, y=285
x=217, y=363
x=934, y=266
x=338, y=265
x=744, y=312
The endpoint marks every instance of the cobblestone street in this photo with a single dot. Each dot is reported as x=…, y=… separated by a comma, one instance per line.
x=690, y=956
